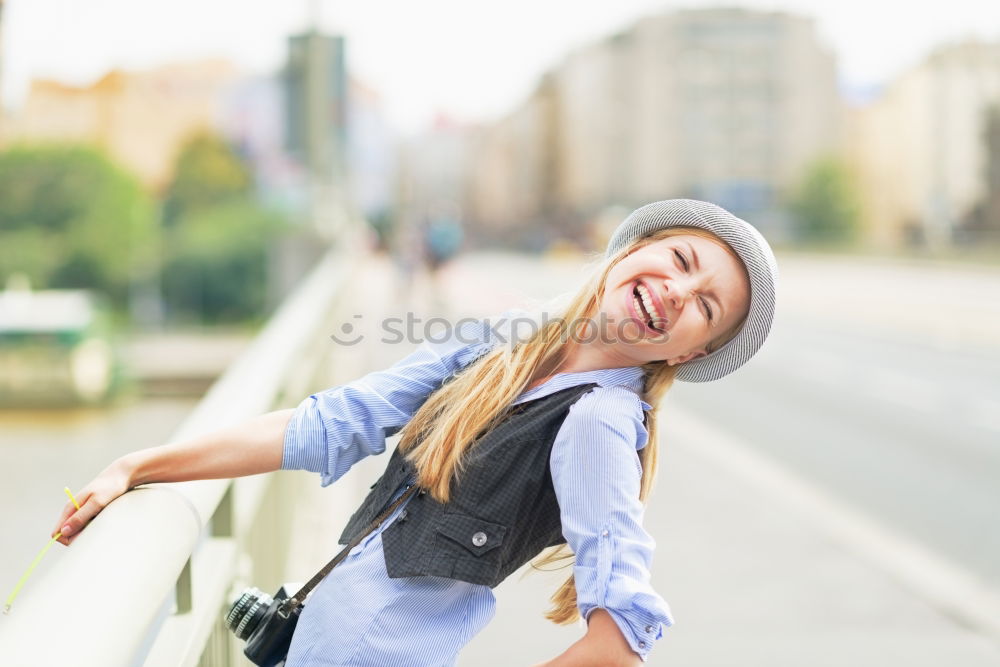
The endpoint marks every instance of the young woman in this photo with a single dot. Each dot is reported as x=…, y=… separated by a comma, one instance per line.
x=514, y=444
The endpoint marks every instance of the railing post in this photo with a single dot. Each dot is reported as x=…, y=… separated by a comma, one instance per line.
x=182, y=590
x=222, y=519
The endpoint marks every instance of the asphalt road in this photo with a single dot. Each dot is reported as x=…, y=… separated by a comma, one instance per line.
x=906, y=433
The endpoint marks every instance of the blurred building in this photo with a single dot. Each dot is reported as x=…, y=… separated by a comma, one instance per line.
x=513, y=190
x=139, y=118
x=729, y=105
x=319, y=145
x=253, y=121
x=922, y=149
x=371, y=152
x=316, y=98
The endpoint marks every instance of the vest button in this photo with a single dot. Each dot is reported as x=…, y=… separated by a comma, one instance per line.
x=479, y=539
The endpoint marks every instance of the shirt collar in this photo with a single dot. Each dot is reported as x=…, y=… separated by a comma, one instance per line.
x=628, y=376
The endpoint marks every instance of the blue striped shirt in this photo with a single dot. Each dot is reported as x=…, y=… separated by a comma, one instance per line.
x=359, y=615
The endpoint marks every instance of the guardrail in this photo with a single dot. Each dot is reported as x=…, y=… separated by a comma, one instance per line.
x=147, y=582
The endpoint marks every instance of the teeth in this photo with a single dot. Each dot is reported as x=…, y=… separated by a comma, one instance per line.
x=645, y=305
x=647, y=300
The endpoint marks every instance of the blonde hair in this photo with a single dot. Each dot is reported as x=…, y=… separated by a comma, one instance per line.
x=478, y=398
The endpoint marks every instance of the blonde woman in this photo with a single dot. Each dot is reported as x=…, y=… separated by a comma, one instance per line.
x=514, y=445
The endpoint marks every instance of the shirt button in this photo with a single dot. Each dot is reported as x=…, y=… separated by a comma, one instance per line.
x=649, y=628
x=642, y=644
x=403, y=515
x=604, y=533
x=479, y=539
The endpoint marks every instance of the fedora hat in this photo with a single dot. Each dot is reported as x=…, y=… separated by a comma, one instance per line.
x=751, y=247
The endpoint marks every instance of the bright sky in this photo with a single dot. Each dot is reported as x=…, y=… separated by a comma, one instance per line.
x=471, y=59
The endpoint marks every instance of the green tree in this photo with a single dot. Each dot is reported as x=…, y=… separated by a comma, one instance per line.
x=826, y=205
x=216, y=237
x=207, y=172
x=71, y=218
x=216, y=271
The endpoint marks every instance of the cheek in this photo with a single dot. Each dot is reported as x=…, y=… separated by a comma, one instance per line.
x=689, y=327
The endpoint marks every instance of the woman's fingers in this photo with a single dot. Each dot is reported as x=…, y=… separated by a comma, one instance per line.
x=67, y=511
x=79, y=520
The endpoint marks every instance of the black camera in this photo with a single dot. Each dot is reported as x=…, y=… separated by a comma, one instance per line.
x=266, y=623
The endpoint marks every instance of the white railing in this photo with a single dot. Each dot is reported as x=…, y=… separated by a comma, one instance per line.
x=148, y=580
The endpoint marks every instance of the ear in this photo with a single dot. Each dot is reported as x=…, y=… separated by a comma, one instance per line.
x=696, y=354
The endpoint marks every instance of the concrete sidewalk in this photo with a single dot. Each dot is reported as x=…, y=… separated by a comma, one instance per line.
x=757, y=567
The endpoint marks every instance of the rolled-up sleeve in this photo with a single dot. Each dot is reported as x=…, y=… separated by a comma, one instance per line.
x=597, y=474
x=332, y=430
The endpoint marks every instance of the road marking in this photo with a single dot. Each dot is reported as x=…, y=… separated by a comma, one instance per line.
x=950, y=588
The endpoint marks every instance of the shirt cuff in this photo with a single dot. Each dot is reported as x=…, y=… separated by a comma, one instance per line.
x=640, y=631
x=305, y=439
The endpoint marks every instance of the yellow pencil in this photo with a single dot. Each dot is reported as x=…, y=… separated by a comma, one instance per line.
x=34, y=563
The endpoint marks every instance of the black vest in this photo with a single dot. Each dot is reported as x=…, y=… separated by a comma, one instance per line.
x=503, y=509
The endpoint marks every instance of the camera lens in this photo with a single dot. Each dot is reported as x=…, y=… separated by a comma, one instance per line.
x=247, y=611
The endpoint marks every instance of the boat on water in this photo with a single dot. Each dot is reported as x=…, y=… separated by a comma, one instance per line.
x=55, y=348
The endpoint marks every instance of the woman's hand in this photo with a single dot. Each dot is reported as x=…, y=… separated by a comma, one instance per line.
x=94, y=497
x=602, y=646
x=248, y=448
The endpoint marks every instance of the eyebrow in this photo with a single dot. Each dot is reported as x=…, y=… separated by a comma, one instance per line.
x=711, y=294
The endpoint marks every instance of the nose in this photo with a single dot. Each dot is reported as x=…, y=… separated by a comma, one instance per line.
x=677, y=292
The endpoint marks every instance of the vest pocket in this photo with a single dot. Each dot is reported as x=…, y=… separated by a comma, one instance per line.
x=476, y=535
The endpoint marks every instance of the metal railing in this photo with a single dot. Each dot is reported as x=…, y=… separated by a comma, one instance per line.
x=147, y=582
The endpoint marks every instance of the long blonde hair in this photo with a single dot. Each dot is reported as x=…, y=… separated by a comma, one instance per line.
x=478, y=398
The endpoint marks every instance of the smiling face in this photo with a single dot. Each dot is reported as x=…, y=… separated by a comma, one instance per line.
x=671, y=297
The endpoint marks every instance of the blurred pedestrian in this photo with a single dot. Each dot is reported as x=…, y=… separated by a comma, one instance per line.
x=442, y=240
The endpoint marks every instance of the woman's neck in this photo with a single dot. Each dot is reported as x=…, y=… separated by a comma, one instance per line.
x=591, y=357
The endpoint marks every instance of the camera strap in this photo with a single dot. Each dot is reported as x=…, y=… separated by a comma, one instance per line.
x=296, y=600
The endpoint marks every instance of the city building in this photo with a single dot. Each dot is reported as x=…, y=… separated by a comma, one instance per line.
x=730, y=105
x=921, y=149
x=141, y=119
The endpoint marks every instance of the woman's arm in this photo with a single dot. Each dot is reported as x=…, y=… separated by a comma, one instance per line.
x=602, y=646
x=327, y=433
x=252, y=447
x=596, y=474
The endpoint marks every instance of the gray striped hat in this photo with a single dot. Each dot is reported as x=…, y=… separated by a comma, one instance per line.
x=751, y=247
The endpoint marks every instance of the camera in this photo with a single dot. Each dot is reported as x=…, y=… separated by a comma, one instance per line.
x=265, y=622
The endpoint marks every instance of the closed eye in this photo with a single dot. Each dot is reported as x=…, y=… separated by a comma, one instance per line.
x=683, y=259
x=687, y=267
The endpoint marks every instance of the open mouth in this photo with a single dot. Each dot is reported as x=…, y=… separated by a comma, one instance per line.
x=643, y=303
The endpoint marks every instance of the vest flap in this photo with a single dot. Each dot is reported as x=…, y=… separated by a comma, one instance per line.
x=476, y=535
